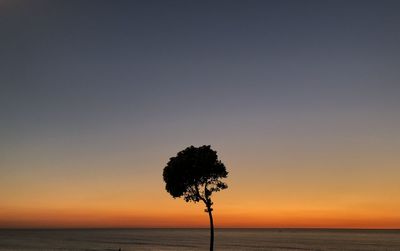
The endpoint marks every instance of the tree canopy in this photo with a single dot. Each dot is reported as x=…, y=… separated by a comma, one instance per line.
x=195, y=174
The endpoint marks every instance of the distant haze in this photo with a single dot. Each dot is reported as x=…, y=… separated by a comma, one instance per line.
x=301, y=99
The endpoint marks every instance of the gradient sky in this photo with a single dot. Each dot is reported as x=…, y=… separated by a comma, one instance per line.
x=301, y=99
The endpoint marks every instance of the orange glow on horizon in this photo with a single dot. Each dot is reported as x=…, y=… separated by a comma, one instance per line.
x=345, y=193
x=124, y=219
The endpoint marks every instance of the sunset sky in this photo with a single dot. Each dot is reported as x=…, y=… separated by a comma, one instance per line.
x=301, y=99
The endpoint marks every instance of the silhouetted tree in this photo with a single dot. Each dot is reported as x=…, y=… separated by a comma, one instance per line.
x=195, y=174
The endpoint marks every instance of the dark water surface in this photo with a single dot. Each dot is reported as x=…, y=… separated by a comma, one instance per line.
x=197, y=239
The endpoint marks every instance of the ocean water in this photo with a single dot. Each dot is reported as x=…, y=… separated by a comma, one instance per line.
x=198, y=239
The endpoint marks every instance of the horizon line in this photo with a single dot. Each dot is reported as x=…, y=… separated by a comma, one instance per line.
x=132, y=228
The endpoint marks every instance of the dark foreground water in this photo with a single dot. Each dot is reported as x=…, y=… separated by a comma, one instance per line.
x=197, y=239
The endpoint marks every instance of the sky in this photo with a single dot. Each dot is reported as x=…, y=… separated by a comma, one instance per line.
x=301, y=100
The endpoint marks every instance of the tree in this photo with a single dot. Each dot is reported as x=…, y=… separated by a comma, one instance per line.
x=195, y=173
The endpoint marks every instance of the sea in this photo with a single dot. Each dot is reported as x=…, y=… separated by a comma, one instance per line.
x=198, y=239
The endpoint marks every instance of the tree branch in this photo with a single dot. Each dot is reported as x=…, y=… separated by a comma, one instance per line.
x=198, y=194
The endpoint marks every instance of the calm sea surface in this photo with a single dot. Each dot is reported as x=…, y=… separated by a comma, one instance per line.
x=197, y=239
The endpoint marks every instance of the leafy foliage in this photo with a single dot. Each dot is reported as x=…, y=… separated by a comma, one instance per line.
x=195, y=174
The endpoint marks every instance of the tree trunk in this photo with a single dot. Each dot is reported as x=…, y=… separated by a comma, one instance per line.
x=209, y=210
